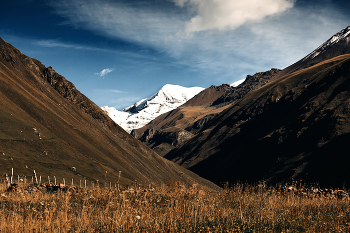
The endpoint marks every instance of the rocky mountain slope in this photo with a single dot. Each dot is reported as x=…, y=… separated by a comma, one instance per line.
x=47, y=125
x=166, y=99
x=295, y=127
x=172, y=129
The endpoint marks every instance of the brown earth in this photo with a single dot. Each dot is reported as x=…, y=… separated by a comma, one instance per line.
x=47, y=125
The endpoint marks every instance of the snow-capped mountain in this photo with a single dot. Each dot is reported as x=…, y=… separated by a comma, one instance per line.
x=342, y=36
x=237, y=83
x=166, y=99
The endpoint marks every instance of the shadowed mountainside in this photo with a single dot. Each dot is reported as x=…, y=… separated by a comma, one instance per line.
x=296, y=127
x=47, y=125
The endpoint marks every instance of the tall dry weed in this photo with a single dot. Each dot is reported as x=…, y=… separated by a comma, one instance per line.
x=171, y=208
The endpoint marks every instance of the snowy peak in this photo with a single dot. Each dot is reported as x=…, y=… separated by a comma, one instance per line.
x=342, y=36
x=237, y=83
x=166, y=99
x=167, y=95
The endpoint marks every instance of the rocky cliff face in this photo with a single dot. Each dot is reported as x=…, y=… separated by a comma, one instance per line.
x=251, y=83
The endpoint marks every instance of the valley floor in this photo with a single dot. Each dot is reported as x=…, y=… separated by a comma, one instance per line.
x=172, y=208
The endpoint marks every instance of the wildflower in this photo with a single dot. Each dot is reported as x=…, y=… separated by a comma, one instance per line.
x=138, y=217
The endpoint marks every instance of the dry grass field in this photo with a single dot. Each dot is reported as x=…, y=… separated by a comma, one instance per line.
x=171, y=207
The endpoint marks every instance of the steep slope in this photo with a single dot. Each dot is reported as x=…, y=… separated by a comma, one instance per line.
x=47, y=125
x=296, y=127
x=169, y=130
x=335, y=46
x=166, y=99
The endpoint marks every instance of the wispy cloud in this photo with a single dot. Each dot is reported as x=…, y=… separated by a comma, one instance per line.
x=110, y=91
x=60, y=44
x=104, y=72
x=119, y=103
x=57, y=43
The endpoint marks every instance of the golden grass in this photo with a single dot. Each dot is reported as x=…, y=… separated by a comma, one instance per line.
x=171, y=208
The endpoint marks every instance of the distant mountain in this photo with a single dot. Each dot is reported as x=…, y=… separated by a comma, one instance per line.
x=297, y=126
x=172, y=129
x=166, y=99
x=48, y=126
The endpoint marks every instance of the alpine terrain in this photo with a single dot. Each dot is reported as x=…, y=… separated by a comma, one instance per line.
x=297, y=126
x=166, y=99
x=172, y=129
x=48, y=126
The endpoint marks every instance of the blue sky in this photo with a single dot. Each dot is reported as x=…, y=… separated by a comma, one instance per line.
x=118, y=52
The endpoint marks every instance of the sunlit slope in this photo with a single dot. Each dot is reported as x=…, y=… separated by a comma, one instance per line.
x=48, y=125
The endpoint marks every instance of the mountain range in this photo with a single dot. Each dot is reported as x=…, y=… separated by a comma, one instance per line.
x=295, y=126
x=48, y=126
x=175, y=127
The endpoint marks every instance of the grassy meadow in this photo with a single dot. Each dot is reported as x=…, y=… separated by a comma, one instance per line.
x=171, y=207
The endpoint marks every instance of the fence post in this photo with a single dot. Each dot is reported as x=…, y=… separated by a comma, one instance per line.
x=55, y=180
x=36, y=178
x=64, y=182
x=7, y=181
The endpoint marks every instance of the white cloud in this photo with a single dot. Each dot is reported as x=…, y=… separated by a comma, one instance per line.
x=104, y=72
x=230, y=14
